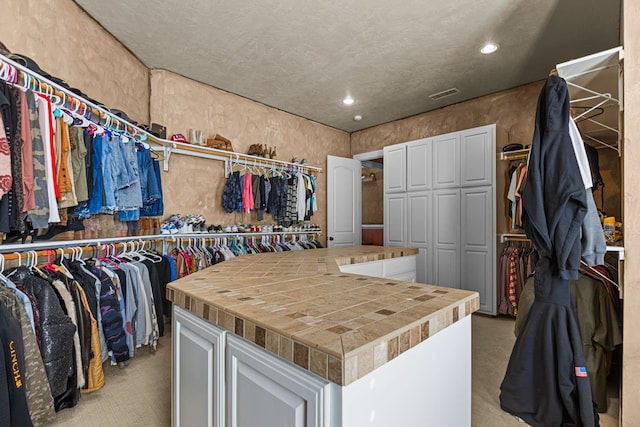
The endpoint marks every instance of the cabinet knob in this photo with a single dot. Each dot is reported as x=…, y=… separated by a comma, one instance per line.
x=330, y=238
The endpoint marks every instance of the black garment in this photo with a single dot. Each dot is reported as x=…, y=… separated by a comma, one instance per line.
x=88, y=160
x=83, y=320
x=9, y=112
x=122, y=277
x=164, y=277
x=56, y=330
x=87, y=282
x=157, y=294
x=13, y=404
x=545, y=384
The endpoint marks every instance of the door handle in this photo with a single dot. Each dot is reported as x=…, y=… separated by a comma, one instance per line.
x=330, y=238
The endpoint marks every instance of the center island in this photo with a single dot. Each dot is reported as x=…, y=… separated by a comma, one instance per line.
x=292, y=339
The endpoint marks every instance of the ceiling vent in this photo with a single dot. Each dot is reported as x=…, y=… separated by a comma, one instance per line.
x=444, y=94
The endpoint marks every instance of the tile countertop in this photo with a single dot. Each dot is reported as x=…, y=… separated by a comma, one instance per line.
x=299, y=306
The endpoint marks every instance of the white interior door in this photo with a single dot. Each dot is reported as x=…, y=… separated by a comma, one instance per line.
x=344, y=202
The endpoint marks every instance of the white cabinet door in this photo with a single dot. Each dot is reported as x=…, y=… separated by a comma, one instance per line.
x=419, y=225
x=478, y=245
x=419, y=216
x=395, y=168
x=446, y=160
x=395, y=219
x=197, y=373
x=446, y=242
x=477, y=151
x=419, y=165
x=264, y=390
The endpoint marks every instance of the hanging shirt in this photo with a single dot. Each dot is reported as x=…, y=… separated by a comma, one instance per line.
x=45, y=117
x=247, y=193
x=39, y=215
x=301, y=204
x=78, y=154
x=29, y=201
x=6, y=178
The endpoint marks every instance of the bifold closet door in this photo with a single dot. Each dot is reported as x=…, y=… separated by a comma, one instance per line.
x=478, y=247
x=446, y=238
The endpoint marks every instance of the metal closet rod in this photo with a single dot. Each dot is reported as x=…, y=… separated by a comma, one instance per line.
x=25, y=255
x=88, y=243
x=164, y=238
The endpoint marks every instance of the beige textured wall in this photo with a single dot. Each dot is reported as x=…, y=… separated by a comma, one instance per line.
x=195, y=185
x=68, y=44
x=631, y=174
x=373, y=198
x=512, y=110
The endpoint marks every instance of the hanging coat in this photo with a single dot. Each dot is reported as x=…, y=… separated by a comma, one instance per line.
x=546, y=382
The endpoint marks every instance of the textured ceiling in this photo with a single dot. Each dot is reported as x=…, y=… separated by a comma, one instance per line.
x=304, y=56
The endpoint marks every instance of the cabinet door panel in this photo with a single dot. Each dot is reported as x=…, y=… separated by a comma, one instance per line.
x=477, y=151
x=419, y=211
x=419, y=165
x=478, y=245
x=446, y=242
x=395, y=220
x=446, y=161
x=197, y=392
x=263, y=390
x=395, y=168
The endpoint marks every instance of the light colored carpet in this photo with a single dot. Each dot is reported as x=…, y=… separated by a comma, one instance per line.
x=140, y=394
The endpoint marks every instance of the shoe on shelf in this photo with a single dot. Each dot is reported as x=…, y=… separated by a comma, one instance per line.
x=168, y=228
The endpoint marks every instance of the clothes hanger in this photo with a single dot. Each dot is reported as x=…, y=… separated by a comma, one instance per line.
x=3, y=278
x=593, y=270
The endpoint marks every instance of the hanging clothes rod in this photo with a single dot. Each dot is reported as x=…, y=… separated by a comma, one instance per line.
x=23, y=77
x=63, y=244
x=75, y=249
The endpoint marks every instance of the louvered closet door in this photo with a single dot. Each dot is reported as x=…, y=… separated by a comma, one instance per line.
x=446, y=238
x=478, y=247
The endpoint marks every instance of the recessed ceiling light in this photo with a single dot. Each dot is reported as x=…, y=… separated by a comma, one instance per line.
x=348, y=101
x=357, y=117
x=489, y=47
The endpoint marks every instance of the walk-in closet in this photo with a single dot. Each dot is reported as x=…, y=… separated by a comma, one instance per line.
x=416, y=214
